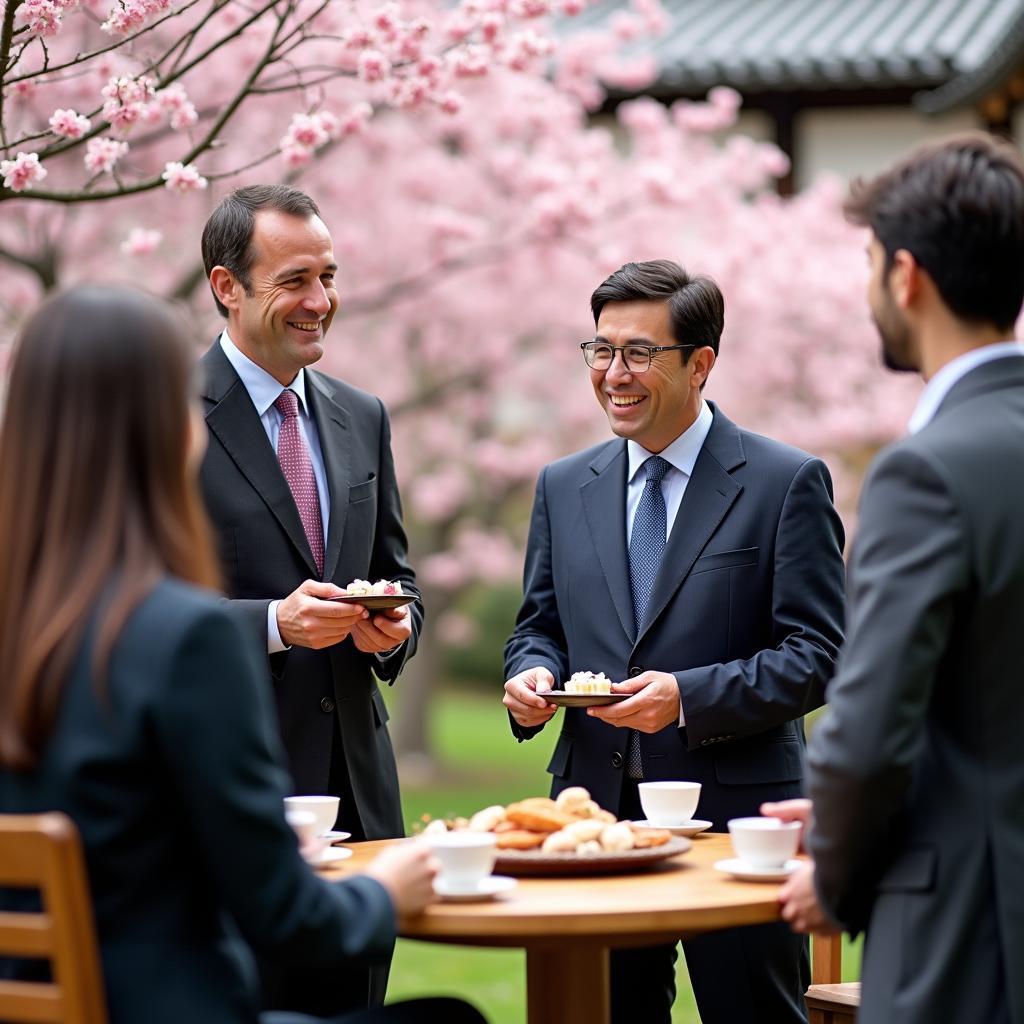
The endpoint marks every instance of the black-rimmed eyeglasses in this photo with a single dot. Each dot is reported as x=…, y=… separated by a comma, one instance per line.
x=600, y=355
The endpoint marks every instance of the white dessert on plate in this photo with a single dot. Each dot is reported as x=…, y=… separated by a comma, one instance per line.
x=588, y=683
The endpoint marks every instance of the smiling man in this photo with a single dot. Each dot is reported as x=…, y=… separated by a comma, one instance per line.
x=300, y=483
x=702, y=566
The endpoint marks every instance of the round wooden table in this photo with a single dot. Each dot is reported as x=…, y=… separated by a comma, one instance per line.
x=568, y=925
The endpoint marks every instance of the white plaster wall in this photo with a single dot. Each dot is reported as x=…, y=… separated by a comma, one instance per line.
x=864, y=140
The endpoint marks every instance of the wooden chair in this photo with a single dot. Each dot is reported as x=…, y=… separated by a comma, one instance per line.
x=829, y=999
x=44, y=852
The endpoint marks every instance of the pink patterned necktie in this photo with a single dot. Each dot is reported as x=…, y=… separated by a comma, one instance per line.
x=293, y=455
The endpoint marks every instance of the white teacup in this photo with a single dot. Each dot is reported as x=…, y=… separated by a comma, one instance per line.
x=303, y=824
x=325, y=808
x=669, y=803
x=466, y=858
x=764, y=842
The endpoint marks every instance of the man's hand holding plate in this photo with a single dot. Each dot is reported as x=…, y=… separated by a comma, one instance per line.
x=305, y=618
x=524, y=697
x=383, y=632
x=654, y=704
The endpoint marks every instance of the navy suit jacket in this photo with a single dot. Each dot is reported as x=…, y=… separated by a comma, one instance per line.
x=746, y=613
x=173, y=773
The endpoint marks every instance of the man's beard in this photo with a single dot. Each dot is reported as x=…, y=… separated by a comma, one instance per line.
x=896, y=345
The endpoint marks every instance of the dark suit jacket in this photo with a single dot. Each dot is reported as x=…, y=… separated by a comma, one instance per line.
x=172, y=773
x=917, y=773
x=746, y=612
x=266, y=556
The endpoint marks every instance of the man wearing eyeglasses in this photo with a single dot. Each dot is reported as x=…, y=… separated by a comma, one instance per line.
x=701, y=566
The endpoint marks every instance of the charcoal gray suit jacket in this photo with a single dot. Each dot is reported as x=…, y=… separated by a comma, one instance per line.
x=917, y=773
x=265, y=556
x=746, y=613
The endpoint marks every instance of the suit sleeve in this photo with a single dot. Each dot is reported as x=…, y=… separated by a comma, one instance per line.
x=538, y=640
x=910, y=568
x=215, y=729
x=390, y=559
x=786, y=680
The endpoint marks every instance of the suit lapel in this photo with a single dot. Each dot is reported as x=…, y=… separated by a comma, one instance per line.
x=604, y=505
x=233, y=420
x=332, y=422
x=709, y=495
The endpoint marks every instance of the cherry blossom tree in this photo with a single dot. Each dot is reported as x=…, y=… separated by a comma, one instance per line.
x=474, y=202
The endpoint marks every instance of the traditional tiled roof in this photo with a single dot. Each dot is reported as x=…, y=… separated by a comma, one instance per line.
x=952, y=51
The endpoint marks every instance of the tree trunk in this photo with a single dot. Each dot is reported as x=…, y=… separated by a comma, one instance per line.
x=418, y=684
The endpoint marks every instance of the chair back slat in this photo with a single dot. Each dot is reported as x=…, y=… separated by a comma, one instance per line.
x=28, y=1002
x=44, y=852
x=26, y=935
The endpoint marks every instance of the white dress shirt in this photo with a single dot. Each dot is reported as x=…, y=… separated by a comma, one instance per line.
x=264, y=391
x=942, y=383
x=681, y=455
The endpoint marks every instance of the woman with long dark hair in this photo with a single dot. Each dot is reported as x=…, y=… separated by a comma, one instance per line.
x=131, y=699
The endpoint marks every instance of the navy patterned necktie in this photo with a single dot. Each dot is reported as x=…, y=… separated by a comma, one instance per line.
x=646, y=546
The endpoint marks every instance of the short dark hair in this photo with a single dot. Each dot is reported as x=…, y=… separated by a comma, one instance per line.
x=228, y=232
x=695, y=303
x=957, y=205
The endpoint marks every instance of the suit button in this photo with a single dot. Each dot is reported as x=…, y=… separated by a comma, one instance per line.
x=616, y=760
x=635, y=670
x=327, y=705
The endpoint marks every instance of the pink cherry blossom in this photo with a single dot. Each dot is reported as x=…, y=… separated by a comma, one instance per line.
x=101, y=154
x=69, y=124
x=183, y=178
x=40, y=17
x=141, y=242
x=21, y=173
x=373, y=66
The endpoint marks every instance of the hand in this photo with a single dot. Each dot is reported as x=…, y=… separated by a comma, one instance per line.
x=305, y=619
x=790, y=810
x=407, y=871
x=800, y=906
x=522, y=697
x=654, y=704
x=384, y=632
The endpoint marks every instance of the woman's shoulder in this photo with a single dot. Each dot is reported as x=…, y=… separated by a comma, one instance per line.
x=173, y=611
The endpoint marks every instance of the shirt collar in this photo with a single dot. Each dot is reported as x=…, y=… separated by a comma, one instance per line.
x=682, y=452
x=942, y=383
x=262, y=387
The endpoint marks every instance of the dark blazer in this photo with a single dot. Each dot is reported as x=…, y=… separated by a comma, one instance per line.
x=266, y=556
x=917, y=773
x=173, y=774
x=746, y=612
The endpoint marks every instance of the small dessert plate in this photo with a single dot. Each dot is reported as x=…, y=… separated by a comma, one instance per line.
x=688, y=828
x=376, y=602
x=582, y=700
x=486, y=889
x=750, y=873
x=334, y=836
x=331, y=855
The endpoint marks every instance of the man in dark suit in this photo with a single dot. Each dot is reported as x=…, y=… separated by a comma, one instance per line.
x=300, y=484
x=703, y=565
x=917, y=779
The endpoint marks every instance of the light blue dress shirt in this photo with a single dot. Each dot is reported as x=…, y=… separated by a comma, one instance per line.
x=264, y=391
x=681, y=455
x=942, y=383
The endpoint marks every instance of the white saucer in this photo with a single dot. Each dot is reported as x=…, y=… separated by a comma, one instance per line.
x=335, y=837
x=331, y=854
x=688, y=828
x=749, y=873
x=486, y=889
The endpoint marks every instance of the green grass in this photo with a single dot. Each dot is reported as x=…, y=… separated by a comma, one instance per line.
x=483, y=764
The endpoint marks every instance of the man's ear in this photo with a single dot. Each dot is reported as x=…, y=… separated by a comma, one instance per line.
x=700, y=365
x=226, y=287
x=904, y=278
